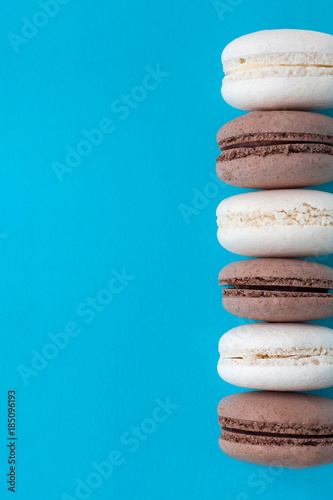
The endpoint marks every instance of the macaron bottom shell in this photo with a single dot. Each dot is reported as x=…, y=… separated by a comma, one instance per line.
x=286, y=455
x=278, y=240
x=290, y=373
x=294, y=170
x=293, y=92
x=280, y=308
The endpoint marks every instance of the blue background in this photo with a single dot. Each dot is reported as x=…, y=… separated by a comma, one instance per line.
x=121, y=207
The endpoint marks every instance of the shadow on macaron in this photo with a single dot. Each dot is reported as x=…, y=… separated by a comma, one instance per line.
x=276, y=149
x=290, y=430
x=278, y=290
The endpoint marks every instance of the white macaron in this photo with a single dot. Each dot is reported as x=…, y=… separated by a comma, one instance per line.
x=277, y=356
x=279, y=69
x=277, y=223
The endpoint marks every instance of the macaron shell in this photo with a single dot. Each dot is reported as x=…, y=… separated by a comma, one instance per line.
x=299, y=412
x=279, y=122
x=275, y=336
x=299, y=272
x=280, y=308
x=292, y=92
x=277, y=171
x=279, y=241
x=284, y=377
x=281, y=200
x=276, y=41
x=294, y=457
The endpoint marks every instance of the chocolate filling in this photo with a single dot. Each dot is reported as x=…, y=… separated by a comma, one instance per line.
x=258, y=427
x=266, y=288
x=246, y=292
x=236, y=152
x=272, y=434
x=264, y=282
x=263, y=144
x=271, y=439
x=277, y=288
x=277, y=434
x=268, y=143
x=273, y=138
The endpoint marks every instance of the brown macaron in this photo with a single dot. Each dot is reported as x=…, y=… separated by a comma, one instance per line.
x=278, y=290
x=277, y=429
x=276, y=149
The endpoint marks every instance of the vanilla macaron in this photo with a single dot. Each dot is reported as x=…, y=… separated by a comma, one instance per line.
x=279, y=69
x=277, y=356
x=277, y=223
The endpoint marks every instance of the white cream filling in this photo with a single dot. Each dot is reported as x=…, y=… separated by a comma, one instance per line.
x=308, y=216
x=279, y=71
x=282, y=65
x=293, y=356
x=314, y=59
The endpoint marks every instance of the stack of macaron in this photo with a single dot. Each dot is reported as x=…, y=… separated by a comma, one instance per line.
x=280, y=147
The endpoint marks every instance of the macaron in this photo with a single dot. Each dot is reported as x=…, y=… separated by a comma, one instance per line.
x=276, y=149
x=279, y=69
x=278, y=290
x=277, y=223
x=278, y=430
x=277, y=356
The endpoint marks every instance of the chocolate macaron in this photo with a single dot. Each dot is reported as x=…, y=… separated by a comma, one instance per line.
x=280, y=430
x=276, y=149
x=278, y=290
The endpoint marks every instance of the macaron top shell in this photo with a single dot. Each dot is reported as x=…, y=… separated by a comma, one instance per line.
x=280, y=200
x=273, y=339
x=276, y=41
x=292, y=410
x=296, y=272
x=285, y=122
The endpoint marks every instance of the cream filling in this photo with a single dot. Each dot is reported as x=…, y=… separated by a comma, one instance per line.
x=281, y=72
x=295, y=59
x=291, y=356
x=309, y=216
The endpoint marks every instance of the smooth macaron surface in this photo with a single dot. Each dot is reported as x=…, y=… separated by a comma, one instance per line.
x=276, y=149
x=277, y=356
x=277, y=429
x=279, y=69
x=277, y=223
x=278, y=290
